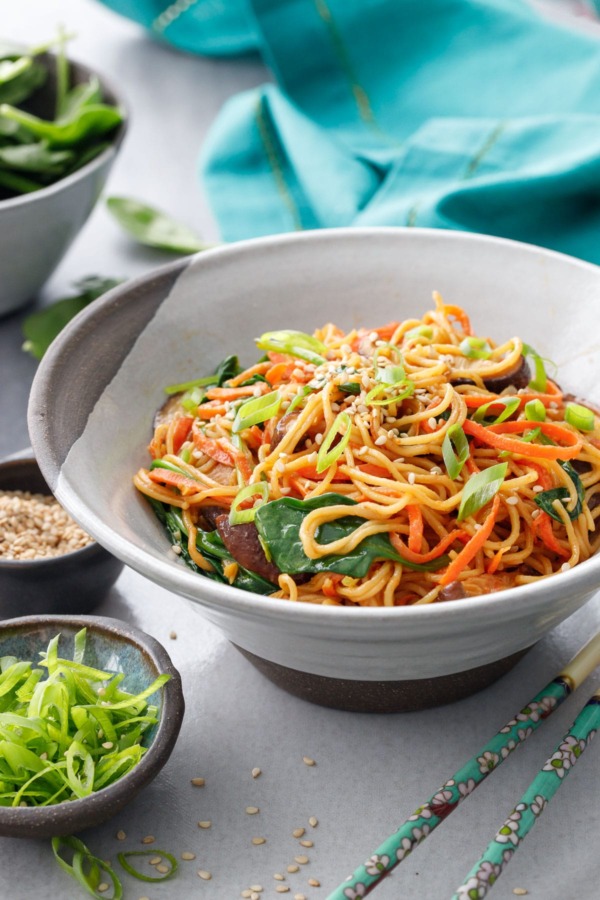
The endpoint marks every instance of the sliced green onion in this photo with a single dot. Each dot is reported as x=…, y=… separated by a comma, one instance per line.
x=165, y=464
x=480, y=489
x=237, y=516
x=294, y=343
x=186, y=454
x=425, y=331
x=297, y=400
x=455, y=450
x=190, y=385
x=124, y=860
x=475, y=348
x=350, y=387
x=535, y=411
x=191, y=400
x=579, y=417
x=533, y=436
x=327, y=457
x=390, y=375
x=406, y=389
x=510, y=404
x=540, y=380
x=259, y=409
x=89, y=880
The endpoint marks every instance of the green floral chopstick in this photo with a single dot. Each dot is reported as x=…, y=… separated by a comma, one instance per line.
x=500, y=850
x=439, y=806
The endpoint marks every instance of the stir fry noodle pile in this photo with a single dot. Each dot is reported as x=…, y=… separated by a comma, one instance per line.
x=407, y=464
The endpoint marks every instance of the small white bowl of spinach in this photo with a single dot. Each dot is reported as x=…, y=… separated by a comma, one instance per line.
x=60, y=129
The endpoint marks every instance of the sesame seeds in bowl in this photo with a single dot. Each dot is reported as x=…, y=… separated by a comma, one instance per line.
x=48, y=563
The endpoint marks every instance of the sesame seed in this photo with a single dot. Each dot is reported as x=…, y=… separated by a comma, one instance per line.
x=149, y=839
x=318, y=438
x=256, y=772
x=520, y=892
x=308, y=761
x=204, y=875
x=279, y=466
x=435, y=470
x=380, y=441
x=35, y=526
x=108, y=745
x=411, y=477
x=346, y=348
x=314, y=882
x=284, y=490
x=535, y=513
x=162, y=868
x=121, y=835
x=512, y=500
x=206, y=824
x=306, y=844
x=198, y=782
x=173, y=635
x=254, y=896
x=103, y=886
x=176, y=549
x=246, y=893
x=298, y=832
x=537, y=488
x=299, y=897
x=390, y=419
x=432, y=422
x=373, y=336
x=256, y=887
x=565, y=567
x=259, y=840
x=252, y=810
x=313, y=822
x=282, y=889
x=301, y=859
x=278, y=877
x=154, y=860
x=187, y=855
x=293, y=868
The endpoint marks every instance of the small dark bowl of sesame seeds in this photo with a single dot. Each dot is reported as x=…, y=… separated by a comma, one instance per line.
x=48, y=564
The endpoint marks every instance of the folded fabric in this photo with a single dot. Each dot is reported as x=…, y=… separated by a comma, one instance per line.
x=465, y=114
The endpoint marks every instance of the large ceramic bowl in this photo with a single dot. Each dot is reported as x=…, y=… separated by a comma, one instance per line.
x=37, y=229
x=99, y=384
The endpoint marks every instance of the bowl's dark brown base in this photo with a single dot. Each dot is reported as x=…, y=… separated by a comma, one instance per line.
x=383, y=696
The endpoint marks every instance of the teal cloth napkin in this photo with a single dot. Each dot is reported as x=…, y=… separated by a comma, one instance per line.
x=476, y=115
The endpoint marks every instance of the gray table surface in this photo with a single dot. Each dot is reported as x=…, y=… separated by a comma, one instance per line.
x=371, y=771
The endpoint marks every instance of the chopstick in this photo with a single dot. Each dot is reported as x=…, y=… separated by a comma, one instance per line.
x=439, y=806
x=501, y=848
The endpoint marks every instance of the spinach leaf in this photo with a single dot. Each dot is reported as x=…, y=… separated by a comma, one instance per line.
x=228, y=368
x=254, y=379
x=546, y=498
x=20, y=76
x=37, y=158
x=153, y=227
x=82, y=125
x=41, y=327
x=279, y=524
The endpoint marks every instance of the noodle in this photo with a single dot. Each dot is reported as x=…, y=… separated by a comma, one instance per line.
x=410, y=464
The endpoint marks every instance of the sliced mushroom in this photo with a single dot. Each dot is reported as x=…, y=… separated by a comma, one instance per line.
x=243, y=543
x=452, y=591
x=517, y=379
x=281, y=429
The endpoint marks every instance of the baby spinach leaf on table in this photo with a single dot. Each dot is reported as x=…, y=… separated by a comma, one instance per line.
x=41, y=327
x=153, y=227
x=279, y=524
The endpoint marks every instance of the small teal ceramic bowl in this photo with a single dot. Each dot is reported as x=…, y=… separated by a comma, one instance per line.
x=117, y=647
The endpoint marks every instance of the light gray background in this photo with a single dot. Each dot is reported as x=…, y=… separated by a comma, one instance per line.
x=371, y=771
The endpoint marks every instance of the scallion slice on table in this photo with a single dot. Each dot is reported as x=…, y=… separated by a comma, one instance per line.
x=131, y=870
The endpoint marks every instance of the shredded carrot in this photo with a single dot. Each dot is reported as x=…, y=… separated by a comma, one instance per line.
x=258, y=369
x=415, y=528
x=222, y=393
x=181, y=431
x=460, y=315
x=244, y=466
x=253, y=437
x=213, y=408
x=398, y=544
x=277, y=373
x=218, y=450
x=553, y=395
x=472, y=466
x=311, y=473
x=472, y=548
x=184, y=484
x=330, y=585
x=494, y=436
x=542, y=527
x=495, y=561
x=386, y=332
x=544, y=476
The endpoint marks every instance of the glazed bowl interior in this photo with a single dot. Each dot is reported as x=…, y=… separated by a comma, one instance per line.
x=116, y=647
x=91, y=432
